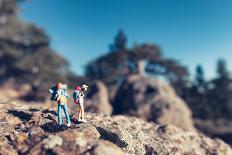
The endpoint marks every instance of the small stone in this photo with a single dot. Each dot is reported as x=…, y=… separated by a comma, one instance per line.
x=80, y=142
x=52, y=141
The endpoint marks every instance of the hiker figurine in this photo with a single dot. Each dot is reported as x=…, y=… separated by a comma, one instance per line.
x=78, y=97
x=53, y=92
x=61, y=95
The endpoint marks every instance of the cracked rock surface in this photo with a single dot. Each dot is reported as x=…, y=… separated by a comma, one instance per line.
x=27, y=130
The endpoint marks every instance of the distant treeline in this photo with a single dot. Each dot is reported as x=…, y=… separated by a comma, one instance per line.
x=208, y=99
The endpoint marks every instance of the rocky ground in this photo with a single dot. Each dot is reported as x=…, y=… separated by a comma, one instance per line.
x=30, y=129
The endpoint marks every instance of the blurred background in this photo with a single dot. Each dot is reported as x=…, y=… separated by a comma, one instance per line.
x=166, y=61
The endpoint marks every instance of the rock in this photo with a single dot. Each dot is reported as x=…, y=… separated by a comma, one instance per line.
x=52, y=141
x=101, y=134
x=97, y=99
x=137, y=136
x=106, y=148
x=152, y=100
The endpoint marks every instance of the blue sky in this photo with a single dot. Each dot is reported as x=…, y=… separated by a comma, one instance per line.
x=192, y=31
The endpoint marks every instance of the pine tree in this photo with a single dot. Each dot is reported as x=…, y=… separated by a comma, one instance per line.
x=120, y=42
x=220, y=94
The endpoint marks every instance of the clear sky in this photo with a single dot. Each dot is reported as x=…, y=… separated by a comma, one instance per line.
x=192, y=31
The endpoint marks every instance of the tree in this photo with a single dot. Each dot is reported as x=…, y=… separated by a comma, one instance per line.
x=220, y=94
x=120, y=41
x=222, y=70
x=25, y=53
x=196, y=96
x=200, y=76
x=113, y=67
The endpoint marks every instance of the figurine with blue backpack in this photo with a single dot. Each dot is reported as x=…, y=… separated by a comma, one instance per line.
x=61, y=96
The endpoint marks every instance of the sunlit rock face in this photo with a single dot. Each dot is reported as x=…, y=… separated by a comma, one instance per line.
x=152, y=100
x=97, y=99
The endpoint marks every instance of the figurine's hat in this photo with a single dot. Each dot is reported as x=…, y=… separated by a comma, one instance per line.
x=78, y=88
x=84, y=86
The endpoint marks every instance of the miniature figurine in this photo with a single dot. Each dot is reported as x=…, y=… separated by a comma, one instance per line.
x=61, y=95
x=53, y=91
x=78, y=97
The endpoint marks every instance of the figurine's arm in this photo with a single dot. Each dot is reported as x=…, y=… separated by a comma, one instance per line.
x=56, y=95
x=58, y=98
x=67, y=95
x=82, y=94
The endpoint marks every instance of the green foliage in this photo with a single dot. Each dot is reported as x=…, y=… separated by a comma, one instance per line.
x=120, y=41
x=210, y=99
x=222, y=70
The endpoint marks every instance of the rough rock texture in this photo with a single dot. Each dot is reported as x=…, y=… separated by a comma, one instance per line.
x=28, y=130
x=97, y=99
x=152, y=100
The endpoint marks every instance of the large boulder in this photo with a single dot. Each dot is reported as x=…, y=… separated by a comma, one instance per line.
x=30, y=129
x=97, y=99
x=152, y=100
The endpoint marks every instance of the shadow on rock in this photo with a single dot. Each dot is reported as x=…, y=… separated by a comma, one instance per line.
x=33, y=110
x=111, y=136
x=20, y=114
x=51, y=127
x=49, y=112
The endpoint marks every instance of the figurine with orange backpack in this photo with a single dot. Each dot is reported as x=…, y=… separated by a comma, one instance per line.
x=78, y=97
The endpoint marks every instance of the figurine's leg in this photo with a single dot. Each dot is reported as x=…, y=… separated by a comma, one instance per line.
x=79, y=113
x=66, y=114
x=59, y=114
x=82, y=112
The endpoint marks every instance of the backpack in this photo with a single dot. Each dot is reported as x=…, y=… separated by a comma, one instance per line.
x=76, y=95
x=62, y=98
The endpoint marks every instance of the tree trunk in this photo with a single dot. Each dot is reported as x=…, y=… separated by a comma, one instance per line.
x=141, y=67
